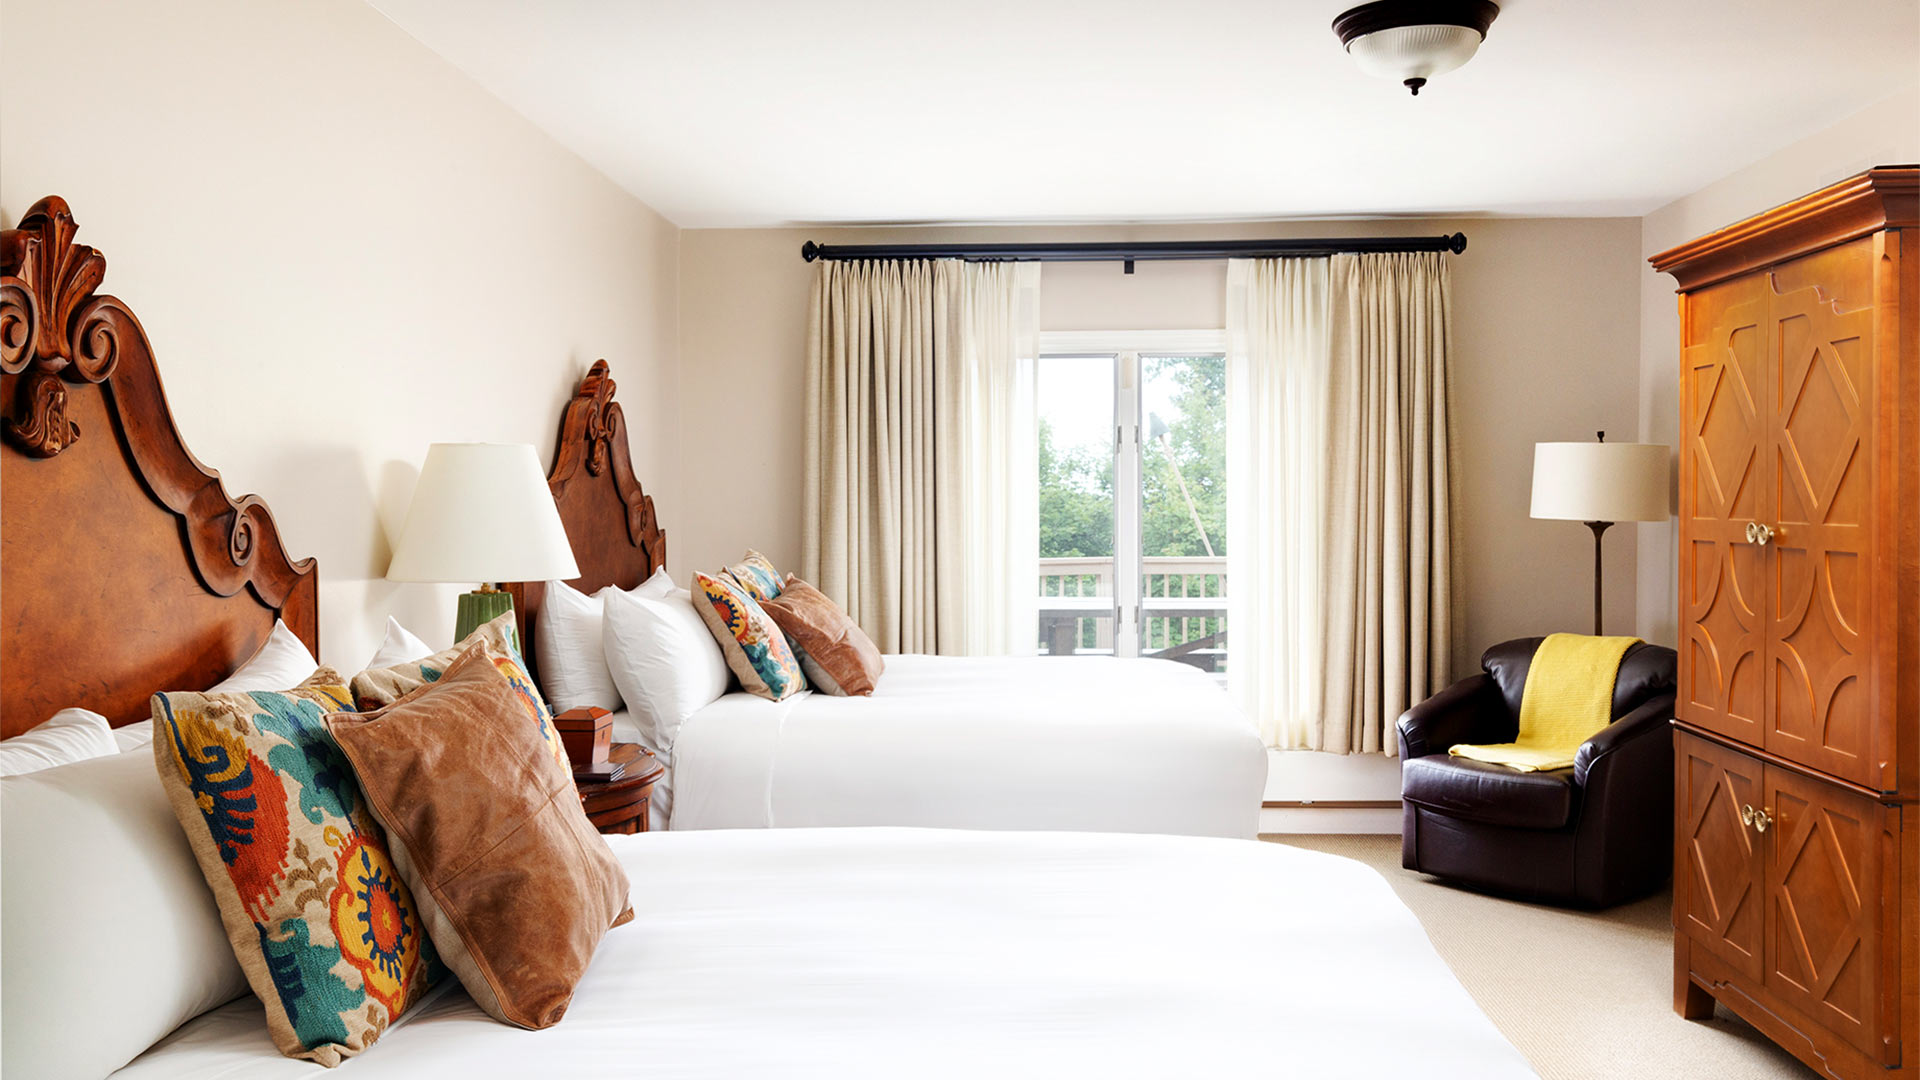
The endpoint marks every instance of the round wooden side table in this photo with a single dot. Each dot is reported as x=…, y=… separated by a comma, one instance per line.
x=620, y=806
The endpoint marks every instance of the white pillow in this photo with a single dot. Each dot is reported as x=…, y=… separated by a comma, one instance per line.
x=657, y=587
x=135, y=736
x=573, y=663
x=571, y=653
x=282, y=663
x=112, y=936
x=398, y=647
x=71, y=735
x=664, y=661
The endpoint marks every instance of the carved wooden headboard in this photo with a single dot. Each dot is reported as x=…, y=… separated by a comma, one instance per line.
x=616, y=538
x=125, y=568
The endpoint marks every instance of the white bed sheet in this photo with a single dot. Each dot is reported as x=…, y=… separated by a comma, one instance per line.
x=1080, y=743
x=931, y=953
x=660, y=805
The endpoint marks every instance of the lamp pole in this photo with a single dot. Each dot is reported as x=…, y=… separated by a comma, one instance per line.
x=1598, y=527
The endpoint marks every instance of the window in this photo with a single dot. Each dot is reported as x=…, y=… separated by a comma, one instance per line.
x=1132, y=495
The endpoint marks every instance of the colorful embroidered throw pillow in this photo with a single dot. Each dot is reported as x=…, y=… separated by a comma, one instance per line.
x=375, y=689
x=756, y=650
x=756, y=574
x=323, y=926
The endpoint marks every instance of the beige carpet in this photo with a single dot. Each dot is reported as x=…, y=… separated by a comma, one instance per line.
x=1584, y=995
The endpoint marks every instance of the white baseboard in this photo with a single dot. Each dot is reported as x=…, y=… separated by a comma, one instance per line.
x=1308, y=819
x=1296, y=775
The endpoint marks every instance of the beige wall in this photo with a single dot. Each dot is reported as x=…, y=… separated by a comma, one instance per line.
x=343, y=250
x=1886, y=134
x=1547, y=311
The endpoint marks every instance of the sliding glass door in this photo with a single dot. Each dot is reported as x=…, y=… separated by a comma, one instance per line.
x=1074, y=400
x=1132, y=497
x=1183, y=509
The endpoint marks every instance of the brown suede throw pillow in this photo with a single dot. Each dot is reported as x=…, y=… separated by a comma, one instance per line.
x=514, y=884
x=837, y=656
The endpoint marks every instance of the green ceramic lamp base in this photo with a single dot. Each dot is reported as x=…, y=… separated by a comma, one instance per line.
x=480, y=608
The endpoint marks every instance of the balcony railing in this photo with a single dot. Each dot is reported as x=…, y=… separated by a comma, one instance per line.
x=1183, y=602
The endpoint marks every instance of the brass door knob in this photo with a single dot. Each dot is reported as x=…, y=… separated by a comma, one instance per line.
x=1758, y=533
x=1759, y=819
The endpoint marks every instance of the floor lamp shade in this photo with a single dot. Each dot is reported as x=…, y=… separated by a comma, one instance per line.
x=1598, y=481
x=482, y=513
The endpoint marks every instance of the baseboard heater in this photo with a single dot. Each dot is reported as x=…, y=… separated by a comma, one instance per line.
x=1331, y=804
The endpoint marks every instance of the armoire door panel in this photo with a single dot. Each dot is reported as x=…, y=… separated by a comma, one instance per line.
x=1723, y=490
x=1824, y=905
x=1717, y=884
x=1819, y=411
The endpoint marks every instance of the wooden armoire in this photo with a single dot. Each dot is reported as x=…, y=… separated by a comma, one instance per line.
x=1796, y=882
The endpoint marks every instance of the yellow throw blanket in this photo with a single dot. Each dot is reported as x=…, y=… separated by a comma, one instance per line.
x=1568, y=697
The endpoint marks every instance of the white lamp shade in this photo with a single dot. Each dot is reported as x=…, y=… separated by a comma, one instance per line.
x=1596, y=481
x=482, y=512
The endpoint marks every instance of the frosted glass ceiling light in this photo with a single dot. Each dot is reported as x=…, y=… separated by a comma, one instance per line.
x=1412, y=40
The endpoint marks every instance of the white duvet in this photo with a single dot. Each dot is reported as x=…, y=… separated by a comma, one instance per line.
x=1080, y=743
x=903, y=953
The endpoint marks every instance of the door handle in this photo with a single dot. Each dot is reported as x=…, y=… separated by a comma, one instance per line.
x=1759, y=819
x=1759, y=534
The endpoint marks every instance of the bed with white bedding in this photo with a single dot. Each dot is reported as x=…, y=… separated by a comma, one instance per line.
x=766, y=952
x=840, y=952
x=925, y=953
x=1085, y=743
x=960, y=742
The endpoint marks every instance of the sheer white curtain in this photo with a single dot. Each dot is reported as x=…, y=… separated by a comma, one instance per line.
x=1276, y=491
x=920, y=517
x=999, y=313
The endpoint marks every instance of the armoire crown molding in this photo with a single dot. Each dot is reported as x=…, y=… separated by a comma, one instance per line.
x=1880, y=198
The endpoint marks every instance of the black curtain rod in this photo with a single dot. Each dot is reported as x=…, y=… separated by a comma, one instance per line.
x=1143, y=252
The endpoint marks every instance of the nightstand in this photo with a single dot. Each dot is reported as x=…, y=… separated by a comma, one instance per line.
x=620, y=806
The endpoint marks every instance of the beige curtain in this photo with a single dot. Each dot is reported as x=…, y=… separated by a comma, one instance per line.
x=913, y=371
x=1388, y=535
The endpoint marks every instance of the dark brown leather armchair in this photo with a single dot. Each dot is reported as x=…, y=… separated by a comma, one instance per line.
x=1595, y=835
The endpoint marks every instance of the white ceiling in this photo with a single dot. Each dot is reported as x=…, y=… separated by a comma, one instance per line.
x=725, y=113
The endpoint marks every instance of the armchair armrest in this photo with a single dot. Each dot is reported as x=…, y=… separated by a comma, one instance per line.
x=1650, y=720
x=1463, y=712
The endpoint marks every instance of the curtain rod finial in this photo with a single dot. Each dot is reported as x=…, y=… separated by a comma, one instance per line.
x=1457, y=243
x=809, y=251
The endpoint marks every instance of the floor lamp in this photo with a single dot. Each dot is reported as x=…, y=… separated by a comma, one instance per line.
x=1599, y=483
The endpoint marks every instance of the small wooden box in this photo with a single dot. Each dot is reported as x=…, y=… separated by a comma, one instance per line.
x=586, y=733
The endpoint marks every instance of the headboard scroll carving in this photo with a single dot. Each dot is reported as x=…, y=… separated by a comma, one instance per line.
x=125, y=567
x=616, y=538
x=51, y=279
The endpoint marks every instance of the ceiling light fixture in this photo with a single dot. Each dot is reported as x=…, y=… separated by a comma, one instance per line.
x=1414, y=40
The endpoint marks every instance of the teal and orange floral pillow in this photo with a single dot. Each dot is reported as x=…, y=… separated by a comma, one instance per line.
x=321, y=922
x=755, y=649
x=379, y=687
x=756, y=574
x=376, y=687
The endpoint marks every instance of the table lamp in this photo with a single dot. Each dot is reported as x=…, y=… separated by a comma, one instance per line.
x=1599, y=483
x=482, y=512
